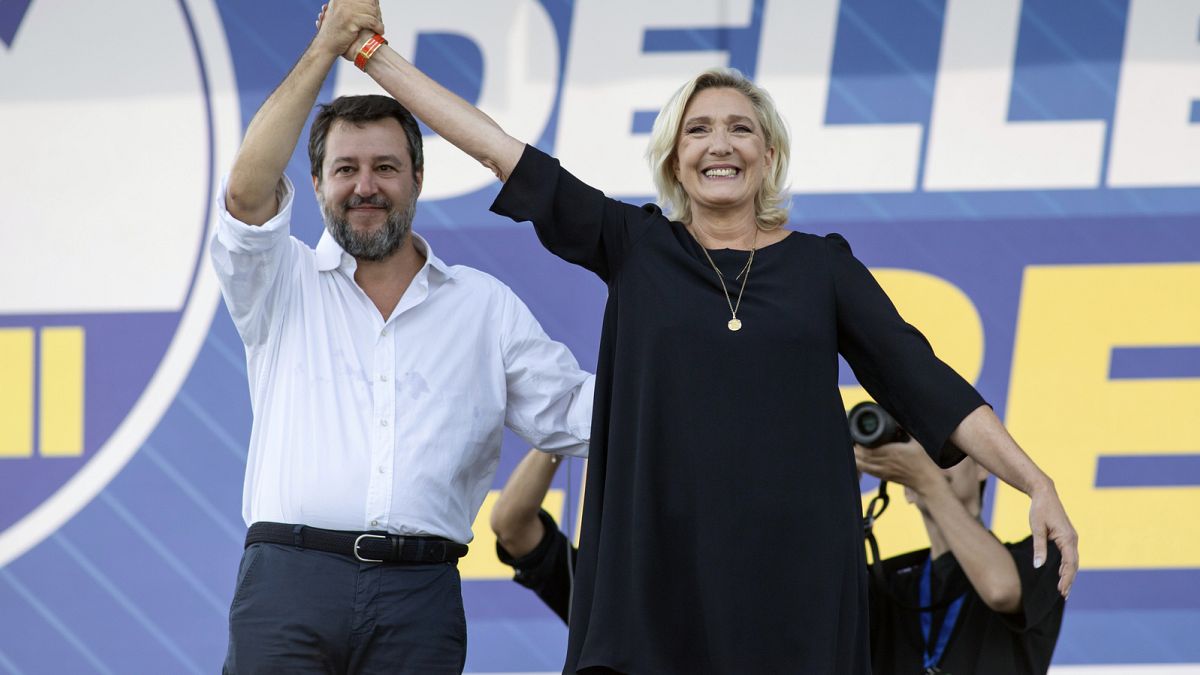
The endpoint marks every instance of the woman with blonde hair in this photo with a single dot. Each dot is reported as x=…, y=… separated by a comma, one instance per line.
x=721, y=531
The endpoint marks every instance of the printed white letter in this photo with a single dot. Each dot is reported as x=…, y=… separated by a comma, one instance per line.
x=609, y=79
x=972, y=145
x=1154, y=141
x=794, y=63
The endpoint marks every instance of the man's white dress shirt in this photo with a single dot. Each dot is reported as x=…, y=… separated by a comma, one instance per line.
x=362, y=423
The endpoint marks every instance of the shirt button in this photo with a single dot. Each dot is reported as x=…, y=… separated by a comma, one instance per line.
x=382, y=470
x=374, y=522
x=383, y=377
x=385, y=332
x=383, y=422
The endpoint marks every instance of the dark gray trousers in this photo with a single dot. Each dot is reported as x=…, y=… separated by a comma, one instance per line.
x=303, y=611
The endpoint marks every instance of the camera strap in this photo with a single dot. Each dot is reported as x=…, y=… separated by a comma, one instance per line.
x=875, y=508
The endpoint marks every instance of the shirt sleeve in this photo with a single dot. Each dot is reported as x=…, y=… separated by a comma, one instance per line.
x=248, y=260
x=1040, y=600
x=549, y=396
x=894, y=361
x=573, y=220
x=544, y=570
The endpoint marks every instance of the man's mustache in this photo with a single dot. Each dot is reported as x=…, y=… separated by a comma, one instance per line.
x=374, y=200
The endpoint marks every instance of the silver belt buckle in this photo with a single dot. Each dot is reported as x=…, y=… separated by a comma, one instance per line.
x=358, y=541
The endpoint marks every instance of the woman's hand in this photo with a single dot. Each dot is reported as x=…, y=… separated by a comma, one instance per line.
x=1048, y=520
x=983, y=437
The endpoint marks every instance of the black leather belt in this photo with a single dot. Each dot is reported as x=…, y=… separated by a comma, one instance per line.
x=367, y=547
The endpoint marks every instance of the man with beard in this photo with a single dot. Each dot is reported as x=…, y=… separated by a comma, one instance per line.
x=380, y=380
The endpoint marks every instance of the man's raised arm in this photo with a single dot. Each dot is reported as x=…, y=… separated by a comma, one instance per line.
x=252, y=192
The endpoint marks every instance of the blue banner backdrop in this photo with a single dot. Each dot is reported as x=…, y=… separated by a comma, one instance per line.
x=1021, y=175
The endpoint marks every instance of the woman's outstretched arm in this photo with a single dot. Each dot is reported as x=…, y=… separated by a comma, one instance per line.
x=983, y=437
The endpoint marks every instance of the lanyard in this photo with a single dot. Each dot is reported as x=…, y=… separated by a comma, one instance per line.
x=934, y=655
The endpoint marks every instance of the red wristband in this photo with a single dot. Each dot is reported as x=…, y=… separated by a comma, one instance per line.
x=367, y=50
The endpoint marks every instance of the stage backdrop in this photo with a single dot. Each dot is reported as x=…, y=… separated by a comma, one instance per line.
x=1023, y=177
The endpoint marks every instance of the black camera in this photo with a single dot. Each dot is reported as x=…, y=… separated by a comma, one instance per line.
x=871, y=426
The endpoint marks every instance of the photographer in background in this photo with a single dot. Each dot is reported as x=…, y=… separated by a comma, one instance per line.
x=987, y=609
x=528, y=539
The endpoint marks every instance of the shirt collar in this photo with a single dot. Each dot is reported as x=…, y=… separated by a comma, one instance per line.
x=331, y=256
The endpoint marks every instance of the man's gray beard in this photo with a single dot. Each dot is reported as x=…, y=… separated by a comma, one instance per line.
x=375, y=245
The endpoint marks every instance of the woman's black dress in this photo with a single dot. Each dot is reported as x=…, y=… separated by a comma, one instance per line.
x=721, y=528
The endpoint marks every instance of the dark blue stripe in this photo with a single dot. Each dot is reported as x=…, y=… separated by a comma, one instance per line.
x=686, y=40
x=643, y=121
x=1196, y=112
x=1147, y=470
x=1154, y=362
x=1136, y=589
x=12, y=13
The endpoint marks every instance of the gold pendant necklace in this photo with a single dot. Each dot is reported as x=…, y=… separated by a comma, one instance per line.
x=735, y=324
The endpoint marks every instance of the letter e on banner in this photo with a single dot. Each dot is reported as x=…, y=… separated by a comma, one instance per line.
x=1156, y=137
x=609, y=79
x=1072, y=415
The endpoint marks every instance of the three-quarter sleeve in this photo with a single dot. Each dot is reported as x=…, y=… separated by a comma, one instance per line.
x=573, y=220
x=894, y=361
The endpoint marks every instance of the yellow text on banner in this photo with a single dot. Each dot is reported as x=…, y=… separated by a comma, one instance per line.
x=1066, y=412
x=62, y=361
x=16, y=392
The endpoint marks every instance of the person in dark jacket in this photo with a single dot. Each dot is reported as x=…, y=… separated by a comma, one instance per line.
x=527, y=537
x=968, y=603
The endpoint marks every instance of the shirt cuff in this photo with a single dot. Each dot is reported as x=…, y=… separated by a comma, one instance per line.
x=579, y=419
x=239, y=237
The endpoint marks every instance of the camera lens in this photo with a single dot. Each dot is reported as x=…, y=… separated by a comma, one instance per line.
x=871, y=426
x=867, y=423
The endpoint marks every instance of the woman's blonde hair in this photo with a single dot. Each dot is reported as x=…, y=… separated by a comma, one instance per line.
x=771, y=201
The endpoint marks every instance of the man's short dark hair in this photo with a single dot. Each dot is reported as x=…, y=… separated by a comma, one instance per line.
x=359, y=110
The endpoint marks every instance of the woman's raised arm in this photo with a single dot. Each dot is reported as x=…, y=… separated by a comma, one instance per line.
x=462, y=124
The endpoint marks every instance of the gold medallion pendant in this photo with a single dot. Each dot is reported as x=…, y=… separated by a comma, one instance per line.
x=735, y=324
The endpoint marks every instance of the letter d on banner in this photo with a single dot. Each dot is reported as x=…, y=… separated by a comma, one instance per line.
x=520, y=76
